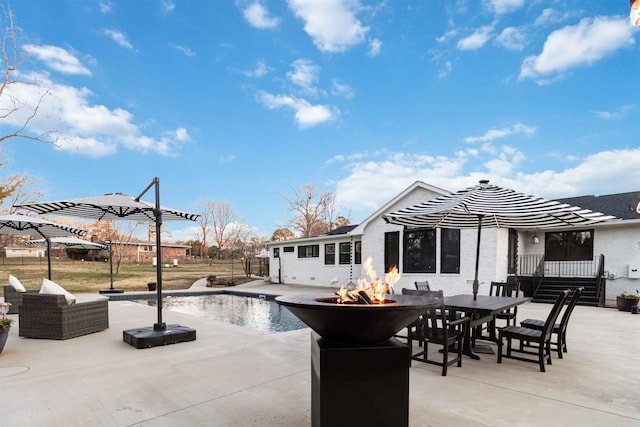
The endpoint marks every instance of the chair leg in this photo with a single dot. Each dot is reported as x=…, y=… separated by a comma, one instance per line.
x=541, y=357
x=445, y=359
x=499, y=348
x=564, y=342
x=559, y=346
x=548, y=348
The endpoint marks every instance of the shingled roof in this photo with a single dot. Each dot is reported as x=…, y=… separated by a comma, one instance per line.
x=621, y=205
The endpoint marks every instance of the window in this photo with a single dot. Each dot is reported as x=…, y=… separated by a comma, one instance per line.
x=345, y=253
x=391, y=250
x=420, y=251
x=450, y=250
x=276, y=252
x=569, y=246
x=288, y=249
x=330, y=254
x=309, y=251
x=358, y=252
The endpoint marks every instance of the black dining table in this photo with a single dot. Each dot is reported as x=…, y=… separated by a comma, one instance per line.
x=481, y=309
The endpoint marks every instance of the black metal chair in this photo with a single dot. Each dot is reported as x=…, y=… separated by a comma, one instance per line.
x=422, y=285
x=559, y=329
x=434, y=327
x=527, y=335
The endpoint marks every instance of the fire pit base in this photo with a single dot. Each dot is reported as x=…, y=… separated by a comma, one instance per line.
x=359, y=386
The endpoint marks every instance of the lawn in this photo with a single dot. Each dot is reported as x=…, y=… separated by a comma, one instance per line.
x=92, y=276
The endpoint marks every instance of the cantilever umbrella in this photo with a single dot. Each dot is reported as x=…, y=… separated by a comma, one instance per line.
x=486, y=205
x=68, y=242
x=118, y=206
x=36, y=227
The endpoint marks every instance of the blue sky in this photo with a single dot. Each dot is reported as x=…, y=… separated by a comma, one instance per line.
x=238, y=101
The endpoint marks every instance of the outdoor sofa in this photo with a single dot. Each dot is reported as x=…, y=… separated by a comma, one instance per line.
x=52, y=317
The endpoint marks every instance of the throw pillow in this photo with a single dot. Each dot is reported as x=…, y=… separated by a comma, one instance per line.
x=13, y=281
x=52, y=288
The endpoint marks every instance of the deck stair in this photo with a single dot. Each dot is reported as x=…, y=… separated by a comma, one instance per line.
x=550, y=288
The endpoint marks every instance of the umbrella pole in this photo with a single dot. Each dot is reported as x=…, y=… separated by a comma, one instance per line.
x=476, y=284
x=158, y=217
x=48, y=255
x=110, y=266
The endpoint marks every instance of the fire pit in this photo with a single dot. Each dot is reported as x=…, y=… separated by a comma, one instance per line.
x=355, y=324
x=359, y=372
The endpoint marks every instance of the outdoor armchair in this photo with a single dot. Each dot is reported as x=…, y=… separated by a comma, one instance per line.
x=14, y=297
x=422, y=285
x=527, y=335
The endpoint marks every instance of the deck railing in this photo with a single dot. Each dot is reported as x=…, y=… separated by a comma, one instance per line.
x=536, y=265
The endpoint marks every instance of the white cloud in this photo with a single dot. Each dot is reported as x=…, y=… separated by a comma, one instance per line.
x=331, y=24
x=79, y=125
x=167, y=6
x=343, y=90
x=223, y=160
x=105, y=7
x=616, y=114
x=258, y=17
x=374, y=48
x=493, y=134
x=304, y=75
x=512, y=38
x=445, y=70
x=57, y=59
x=118, y=37
x=476, y=40
x=501, y=7
x=261, y=70
x=306, y=114
x=185, y=50
x=578, y=45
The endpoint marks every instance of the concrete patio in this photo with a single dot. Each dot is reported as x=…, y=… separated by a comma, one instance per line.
x=234, y=376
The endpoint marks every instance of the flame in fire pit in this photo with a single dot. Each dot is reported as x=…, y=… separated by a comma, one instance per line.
x=369, y=289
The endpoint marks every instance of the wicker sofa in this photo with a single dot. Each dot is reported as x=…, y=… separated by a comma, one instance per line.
x=49, y=316
x=14, y=297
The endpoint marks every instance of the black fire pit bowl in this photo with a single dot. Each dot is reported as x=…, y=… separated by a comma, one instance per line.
x=355, y=324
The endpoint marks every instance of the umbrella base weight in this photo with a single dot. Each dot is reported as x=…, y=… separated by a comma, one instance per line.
x=112, y=291
x=152, y=337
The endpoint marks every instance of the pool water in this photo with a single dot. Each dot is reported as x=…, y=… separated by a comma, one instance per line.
x=251, y=312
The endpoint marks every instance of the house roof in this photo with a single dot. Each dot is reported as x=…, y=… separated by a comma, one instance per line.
x=341, y=230
x=622, y=205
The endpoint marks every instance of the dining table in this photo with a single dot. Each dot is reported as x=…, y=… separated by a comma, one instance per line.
x=480, y=309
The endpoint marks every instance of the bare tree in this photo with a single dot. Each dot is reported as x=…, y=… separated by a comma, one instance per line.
x=222, y=223
x=13, y=108
x=314, y=212
x=204, y=222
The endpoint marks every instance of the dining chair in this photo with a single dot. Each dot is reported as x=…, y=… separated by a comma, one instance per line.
x=422, y=285
x=527, y=335
x=559, y=329
x=435, y=327
x=512, y=290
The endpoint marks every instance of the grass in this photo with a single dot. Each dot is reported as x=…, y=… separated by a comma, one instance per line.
x=92, y=276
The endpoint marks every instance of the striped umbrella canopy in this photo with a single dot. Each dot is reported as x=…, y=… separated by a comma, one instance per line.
x=36, y=227
x=69, y=242
x=486, y=205
x=114, y=206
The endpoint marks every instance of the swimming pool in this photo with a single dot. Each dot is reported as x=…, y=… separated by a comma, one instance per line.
x=257, y=313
